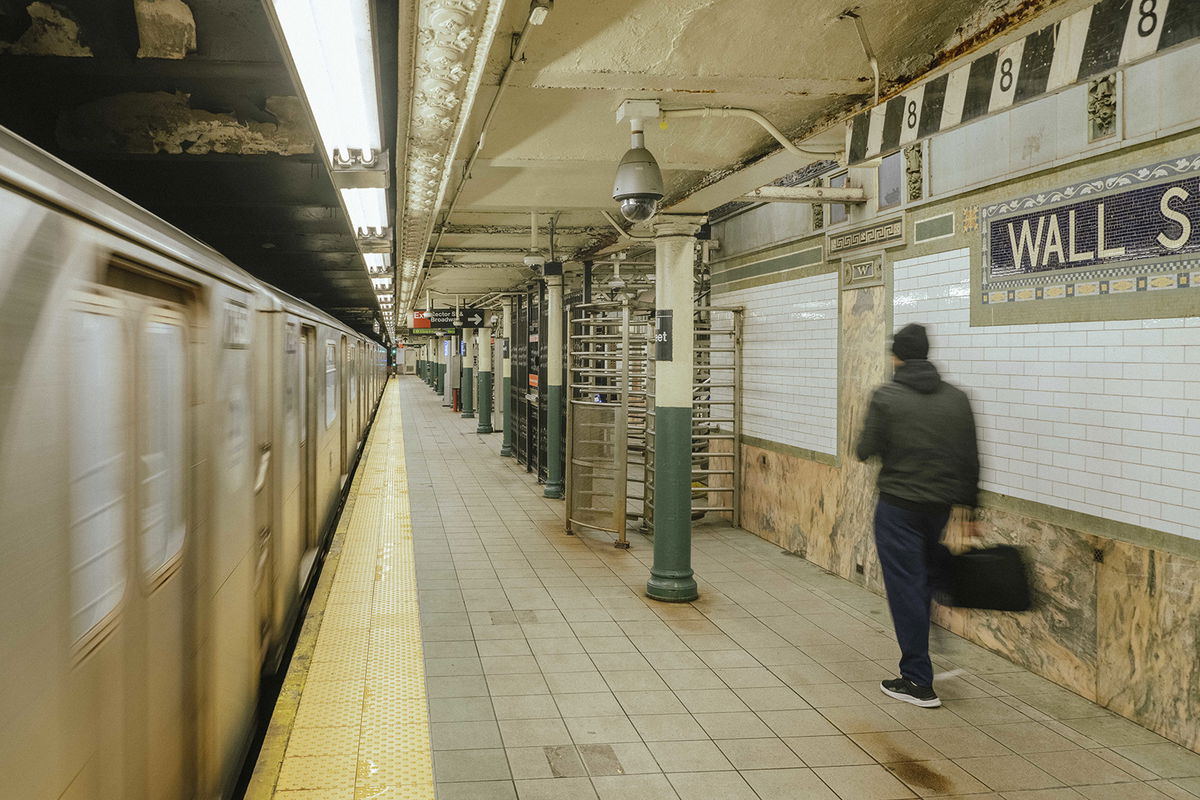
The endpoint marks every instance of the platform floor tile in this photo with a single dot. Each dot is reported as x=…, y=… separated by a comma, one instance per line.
x=542, y=671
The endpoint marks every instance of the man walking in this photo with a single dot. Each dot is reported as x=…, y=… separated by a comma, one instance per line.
x=923, y=431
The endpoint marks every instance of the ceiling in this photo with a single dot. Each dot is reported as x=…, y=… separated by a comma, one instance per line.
x=553, y=142
x=189, y=110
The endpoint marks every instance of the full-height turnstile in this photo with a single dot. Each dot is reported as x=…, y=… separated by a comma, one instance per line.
x=608, y=348
x=716, y=417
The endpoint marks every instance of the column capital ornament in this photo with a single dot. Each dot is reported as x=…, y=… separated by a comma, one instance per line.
x=678, y=225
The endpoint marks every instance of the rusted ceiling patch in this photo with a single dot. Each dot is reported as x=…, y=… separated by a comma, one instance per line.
x=161, y=122
x=52, y=33
x=166, y=28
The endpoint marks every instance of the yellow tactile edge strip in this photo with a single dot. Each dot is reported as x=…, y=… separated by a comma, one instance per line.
x=352, y=716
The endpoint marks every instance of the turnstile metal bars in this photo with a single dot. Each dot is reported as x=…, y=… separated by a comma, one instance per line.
x=606, y=415
x=716, y=417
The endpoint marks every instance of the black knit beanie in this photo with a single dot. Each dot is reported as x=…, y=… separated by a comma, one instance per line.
x=910, y=342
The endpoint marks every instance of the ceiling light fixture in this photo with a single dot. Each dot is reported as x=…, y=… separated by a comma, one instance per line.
x=539, y=10
x=377, y=262
x=333, y=53
x=367, y=209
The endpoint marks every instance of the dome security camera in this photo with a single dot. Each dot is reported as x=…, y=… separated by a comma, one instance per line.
x=639, y=184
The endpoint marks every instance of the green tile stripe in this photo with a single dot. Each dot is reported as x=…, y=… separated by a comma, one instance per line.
x=933, y=228
x=737, y=269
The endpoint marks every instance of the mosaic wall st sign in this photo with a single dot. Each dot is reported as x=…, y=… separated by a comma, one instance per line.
x=1133, y=232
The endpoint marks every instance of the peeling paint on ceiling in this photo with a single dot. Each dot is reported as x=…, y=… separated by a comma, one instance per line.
x=166, y=28
x=52, y=33
x=163, y=122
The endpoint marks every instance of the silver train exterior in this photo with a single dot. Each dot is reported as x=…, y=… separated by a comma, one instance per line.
x=174, y=439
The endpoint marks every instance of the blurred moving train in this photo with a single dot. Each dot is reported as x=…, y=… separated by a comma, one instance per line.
x=174, y=439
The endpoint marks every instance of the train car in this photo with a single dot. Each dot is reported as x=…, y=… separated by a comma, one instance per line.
x=174, y=440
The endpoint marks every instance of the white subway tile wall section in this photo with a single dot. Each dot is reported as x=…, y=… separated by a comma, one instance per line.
x=789, y=361
x=1097, y=417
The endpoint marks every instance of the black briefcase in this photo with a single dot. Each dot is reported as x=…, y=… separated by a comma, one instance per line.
x=990, y=577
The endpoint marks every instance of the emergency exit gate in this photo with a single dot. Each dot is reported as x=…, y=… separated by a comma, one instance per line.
x=608, y=347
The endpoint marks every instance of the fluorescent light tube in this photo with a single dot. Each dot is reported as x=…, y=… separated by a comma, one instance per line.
x=332, y=48
x=377, y=261
x=367, y=209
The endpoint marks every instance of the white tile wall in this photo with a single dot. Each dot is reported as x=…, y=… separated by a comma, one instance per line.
x=789, y=361
x=1097, y=417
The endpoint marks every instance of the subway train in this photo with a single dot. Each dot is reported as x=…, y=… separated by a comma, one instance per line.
x=175, y=437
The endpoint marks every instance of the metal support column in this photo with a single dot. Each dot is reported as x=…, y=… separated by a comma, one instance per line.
x=468, y=374
x=553, y=330
x=506, y=447
x=671, y=577
x=485, y=379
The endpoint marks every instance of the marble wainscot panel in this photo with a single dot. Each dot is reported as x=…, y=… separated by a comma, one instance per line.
x=1057, y=639
x=863, y=365
x=788, y=500
x=1148, y=609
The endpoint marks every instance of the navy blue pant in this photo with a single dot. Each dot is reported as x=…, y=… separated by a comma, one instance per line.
x=914, y=565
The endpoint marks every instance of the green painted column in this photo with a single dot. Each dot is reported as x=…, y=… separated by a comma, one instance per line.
x=449, y=353
x=671, y=577
x=485, y=379
x=468, y=374
x=440, y=385
x=554, y=389
x=506, y=422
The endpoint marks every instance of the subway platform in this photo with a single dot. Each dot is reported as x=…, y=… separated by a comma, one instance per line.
x=461, y=646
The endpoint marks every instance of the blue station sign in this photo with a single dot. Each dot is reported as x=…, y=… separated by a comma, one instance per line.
x=1146, y=223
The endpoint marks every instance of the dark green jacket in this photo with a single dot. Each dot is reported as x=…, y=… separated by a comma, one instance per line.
x=923, y=430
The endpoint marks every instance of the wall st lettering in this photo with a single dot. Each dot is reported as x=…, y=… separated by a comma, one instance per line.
x=1140, y=224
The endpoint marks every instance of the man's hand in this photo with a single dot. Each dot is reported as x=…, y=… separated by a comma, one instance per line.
x=972, y=529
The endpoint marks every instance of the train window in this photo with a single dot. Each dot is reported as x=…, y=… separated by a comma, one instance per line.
x=97, y=461
x=331, y=387
x=162, y=462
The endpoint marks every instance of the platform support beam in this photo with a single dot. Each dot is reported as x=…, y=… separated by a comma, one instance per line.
x=554, y=374
x=671, y=577
x=506, y=447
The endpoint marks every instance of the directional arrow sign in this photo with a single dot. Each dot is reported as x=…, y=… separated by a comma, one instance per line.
x=471, y=317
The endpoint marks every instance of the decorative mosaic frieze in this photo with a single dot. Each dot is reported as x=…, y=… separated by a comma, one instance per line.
x=1134, y=231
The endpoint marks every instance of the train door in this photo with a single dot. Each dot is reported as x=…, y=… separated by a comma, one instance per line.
x=266, y=345
x=163, y=415
x=132, y=352
x=342, y=391
x=289, y=534
x=308, y=447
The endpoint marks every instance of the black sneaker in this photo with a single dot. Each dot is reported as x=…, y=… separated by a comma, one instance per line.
x=909, y=692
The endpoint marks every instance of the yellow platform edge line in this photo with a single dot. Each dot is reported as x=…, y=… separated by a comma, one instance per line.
x=383, y=457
